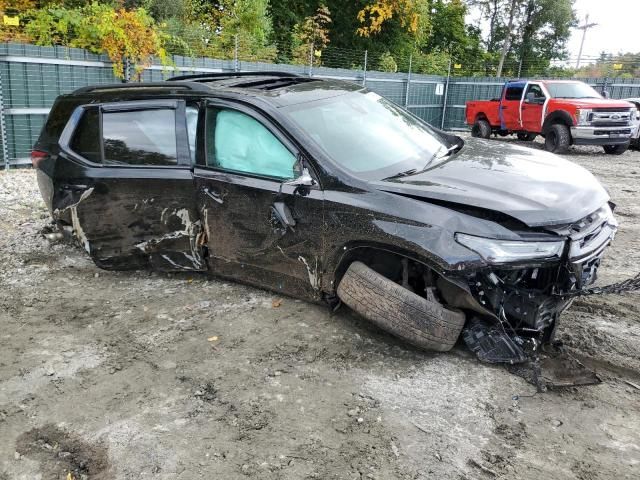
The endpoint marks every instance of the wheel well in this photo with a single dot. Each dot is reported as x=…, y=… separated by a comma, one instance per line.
x=559, y=117
x=481, y=116
x=400, y=268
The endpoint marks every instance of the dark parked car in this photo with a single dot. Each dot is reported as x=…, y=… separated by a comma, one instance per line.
x=324, y=190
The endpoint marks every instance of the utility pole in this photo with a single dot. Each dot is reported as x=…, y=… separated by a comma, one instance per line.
x=584, y=29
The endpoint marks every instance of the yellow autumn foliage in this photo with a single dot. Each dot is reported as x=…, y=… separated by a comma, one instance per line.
x=373, y=16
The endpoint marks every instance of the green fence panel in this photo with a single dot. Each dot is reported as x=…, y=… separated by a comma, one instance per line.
x=31, y=77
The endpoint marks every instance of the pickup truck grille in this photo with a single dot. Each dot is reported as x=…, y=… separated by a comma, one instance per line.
x=605, y=117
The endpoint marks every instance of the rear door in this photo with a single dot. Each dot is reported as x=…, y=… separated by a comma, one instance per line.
x=123, y=180
x=510, y=106
x=532, y=108
x=260, y=229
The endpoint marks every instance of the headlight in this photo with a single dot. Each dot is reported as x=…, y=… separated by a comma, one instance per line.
x=504, y=251
x=583, y=116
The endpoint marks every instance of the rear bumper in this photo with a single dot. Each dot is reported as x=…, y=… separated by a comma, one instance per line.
x=602, y=135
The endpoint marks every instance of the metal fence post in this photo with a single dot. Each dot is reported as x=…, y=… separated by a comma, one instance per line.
x=364, y=75
x=236, y=66
x=3, y=129
x=311, y=59
x=406, y=93
x=127, y=70
x=446, y=95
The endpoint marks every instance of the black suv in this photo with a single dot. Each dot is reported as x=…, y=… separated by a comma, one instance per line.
x=324, y=190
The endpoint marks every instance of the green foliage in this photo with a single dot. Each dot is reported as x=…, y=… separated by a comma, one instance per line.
x=387, y=63
x=121, y=33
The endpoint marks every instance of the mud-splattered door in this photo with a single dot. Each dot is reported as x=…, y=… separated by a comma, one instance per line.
x=260, y=234
x=260, y=229
x=130, y=198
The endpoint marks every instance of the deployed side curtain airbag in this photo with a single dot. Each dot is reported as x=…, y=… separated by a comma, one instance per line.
x=242, y=144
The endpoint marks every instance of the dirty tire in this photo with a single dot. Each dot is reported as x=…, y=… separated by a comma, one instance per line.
x=402, y=313
x=481, y=129
x=526, y=136
x=558, y=138
x=615, y=149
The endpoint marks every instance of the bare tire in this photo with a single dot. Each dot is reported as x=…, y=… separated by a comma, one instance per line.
x=421, y=322
x=481, y=129
x=526, y=136
x=558, y=138
x=615, y=149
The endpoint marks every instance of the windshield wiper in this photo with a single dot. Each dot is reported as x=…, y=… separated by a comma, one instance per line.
x=406, y=173
x=446, y=152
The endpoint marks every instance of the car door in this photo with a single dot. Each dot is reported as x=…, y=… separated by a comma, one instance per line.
x=510, y=106
x=123, y=180
x=260, y=228
x=532, y=107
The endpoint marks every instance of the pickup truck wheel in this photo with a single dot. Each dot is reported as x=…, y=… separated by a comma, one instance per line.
x=526, y=136
x=558, y=138
x=424, y=323
x=481, y=129
x=615, y=149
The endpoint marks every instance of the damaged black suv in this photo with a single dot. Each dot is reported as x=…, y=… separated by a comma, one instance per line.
x=323, y=190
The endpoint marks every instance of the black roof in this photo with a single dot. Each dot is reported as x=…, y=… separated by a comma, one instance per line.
x=278, y=88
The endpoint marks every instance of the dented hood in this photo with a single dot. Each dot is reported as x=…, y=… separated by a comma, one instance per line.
x=536, y=187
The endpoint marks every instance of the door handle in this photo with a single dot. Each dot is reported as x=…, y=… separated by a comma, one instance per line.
x=503, y=107
x=215, y=196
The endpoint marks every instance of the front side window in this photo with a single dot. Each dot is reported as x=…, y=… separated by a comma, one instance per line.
x=368, y=135
x=239, y=143
x=536, y=90
x=140, y=137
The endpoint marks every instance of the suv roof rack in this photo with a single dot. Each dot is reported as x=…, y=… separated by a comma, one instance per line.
x=203, y=77
x=139, y=86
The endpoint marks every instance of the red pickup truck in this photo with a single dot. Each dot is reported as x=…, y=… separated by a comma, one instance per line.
x=564, y=112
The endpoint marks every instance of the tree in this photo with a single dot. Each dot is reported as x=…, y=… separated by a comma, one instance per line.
x=527, y=34
x=312, y=34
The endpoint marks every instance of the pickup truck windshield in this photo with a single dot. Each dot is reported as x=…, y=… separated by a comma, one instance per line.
x=367, y=134
x=571, y=90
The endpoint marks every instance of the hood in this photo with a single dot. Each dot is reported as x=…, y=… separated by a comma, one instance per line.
x=597, y=103
x=536, y=187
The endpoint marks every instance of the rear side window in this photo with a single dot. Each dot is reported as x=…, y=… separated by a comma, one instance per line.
x=140, y=137
x=86, y=139
x=513, y=93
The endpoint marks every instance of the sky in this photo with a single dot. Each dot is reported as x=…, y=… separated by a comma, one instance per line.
x=617, y=29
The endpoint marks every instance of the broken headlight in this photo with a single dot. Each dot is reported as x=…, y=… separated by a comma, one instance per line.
x=506, y=251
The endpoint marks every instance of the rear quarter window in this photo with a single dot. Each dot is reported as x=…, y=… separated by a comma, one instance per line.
x=58, y=117
x=86, y=138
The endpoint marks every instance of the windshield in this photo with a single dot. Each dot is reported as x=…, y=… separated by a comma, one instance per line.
x=367, y=134
x=571, y=90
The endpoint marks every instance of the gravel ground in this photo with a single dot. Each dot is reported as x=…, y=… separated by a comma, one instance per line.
x=129, y=375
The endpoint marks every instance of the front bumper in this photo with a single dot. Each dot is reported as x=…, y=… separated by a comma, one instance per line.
x=588, y=135
x=531, y=296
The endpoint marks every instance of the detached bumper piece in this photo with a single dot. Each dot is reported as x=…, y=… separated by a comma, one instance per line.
x=491, y=343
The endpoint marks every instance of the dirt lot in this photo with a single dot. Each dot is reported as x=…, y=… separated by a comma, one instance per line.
x=128, y=375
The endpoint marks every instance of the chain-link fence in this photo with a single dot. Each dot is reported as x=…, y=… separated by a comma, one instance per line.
x=31, y=77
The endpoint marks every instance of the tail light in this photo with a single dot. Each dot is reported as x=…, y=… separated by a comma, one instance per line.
x=37, y=157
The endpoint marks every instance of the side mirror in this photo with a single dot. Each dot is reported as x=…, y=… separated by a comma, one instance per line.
x=304, y=180
x=606, y=94
x=530, y=98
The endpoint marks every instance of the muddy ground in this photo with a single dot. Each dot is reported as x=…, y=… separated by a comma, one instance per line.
x=128, y=375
